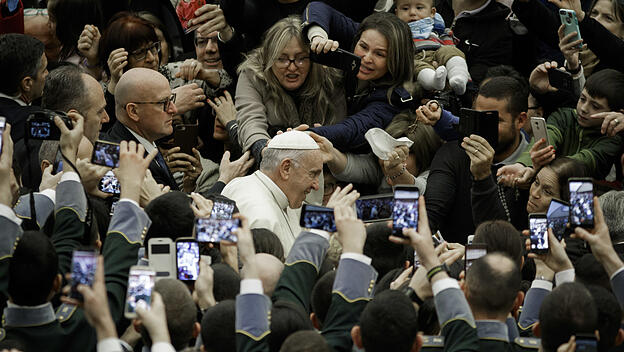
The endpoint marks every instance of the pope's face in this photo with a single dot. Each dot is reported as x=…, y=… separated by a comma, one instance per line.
x=304, y=178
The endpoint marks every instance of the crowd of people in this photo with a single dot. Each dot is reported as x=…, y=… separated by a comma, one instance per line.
x=158, y=159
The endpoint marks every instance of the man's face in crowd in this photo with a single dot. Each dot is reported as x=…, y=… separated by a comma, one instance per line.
x=155, y=119
x=207, y=51
x=36, y=90
x=95, y=115
x=587, y=106
x=507, y=130
x=304, y=178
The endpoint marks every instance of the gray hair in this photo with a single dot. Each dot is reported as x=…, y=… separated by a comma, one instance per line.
x=272, y=158
x=48, y=150
x=612, y=204
x=65, y=89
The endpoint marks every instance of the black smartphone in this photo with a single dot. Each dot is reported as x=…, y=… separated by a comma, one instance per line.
x=315, y=217
x=185, y=137
x=581, y=202
x=375, y=208
x=213, y=230
x=105, y=154
x=586, y=343
x=222, y=210
x=140, y=285
x=538, y=227
x=561, y=79
x=481, y=123
x=340, y=59
x=558, y=215
x=84, y=263
x=405, y=208
x=187, y=259
x=109, y=184
x=58, y=163
x=40, y=125
x=473, y=252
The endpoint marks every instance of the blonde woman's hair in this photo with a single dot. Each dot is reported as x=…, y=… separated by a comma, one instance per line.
x=314, y=96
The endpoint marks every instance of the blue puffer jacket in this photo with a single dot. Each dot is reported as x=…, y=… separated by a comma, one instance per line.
x=366, y=111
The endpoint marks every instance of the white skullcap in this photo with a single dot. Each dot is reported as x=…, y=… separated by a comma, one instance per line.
x=293, y=140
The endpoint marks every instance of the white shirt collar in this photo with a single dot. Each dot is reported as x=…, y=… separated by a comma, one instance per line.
x=278, y=194
x=149, y=146
x=472, y=12
x=16, y=99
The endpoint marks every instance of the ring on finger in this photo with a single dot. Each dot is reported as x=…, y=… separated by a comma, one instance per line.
x=616, y=121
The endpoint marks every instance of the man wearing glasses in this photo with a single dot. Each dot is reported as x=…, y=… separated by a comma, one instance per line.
x=145, y=106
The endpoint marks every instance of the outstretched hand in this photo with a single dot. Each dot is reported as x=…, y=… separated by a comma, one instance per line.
x=132, y=168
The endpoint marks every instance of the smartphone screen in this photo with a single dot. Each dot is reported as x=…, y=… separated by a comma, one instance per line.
x=405, y=209
x=222, y=210
x=374, y=208
x=40, y=129
x=538, y=226
x=473, y=252
x=586, y=343
x=212, y=230
x=187, y=260
x=558, y=216
x=105, y=154
x=140, y=285
x=581, y=203
x=83, y=270
x=315, y=217
x=109, y=184
x=2, y=127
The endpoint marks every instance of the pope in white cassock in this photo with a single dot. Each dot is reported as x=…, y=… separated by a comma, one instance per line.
x=271, y=197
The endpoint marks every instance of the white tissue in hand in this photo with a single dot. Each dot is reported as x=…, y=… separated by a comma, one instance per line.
x=383, y=143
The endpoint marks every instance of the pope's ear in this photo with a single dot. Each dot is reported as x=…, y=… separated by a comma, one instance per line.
x=285, y=168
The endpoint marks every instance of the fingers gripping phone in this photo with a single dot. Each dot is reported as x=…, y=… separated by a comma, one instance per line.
x=570, y=22
x=538, y=126
x=105, y=154
x=581, y=202
x=481, y=123
x=558, y=216
x=214, y=231
x=474, y=252
x=375, y=208
x=140, y=285
x=405, y=208
x=84, y=263
x=187, y=259
x=561, y=80
x=160, y=252
x=315, y=217
x=538, y=227
x=340, y=59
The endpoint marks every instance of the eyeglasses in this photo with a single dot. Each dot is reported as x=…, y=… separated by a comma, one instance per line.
x=141, y=54
x=165, y=102
x=284, y=62
x=203, y=41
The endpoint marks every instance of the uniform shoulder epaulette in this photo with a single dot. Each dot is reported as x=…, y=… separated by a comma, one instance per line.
x=528, y=342
x=433, y=341
x=64, y=312
x=2, y=334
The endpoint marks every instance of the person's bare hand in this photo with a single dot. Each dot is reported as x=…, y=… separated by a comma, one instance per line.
x=396, y=161
x=203, y=294
x=49, y=181
x=202, y=207
x=612, y=124
x=351, y=230
x=192, y=173
x=88, y=43
x=151, y=190
x=246, y=249
x=345, y=197
x=154, y=319
x=541, y=269
x=570, y=47
x=211, y=19
x=515, y=175
x=117, y=60
x=229, y=170
x=326, y=147
x=132, y=168
x=542, y=154
x=319, y=45
x=70, y=138
x=556, y=258
x=401, y=279
x=572, y=5
x=91, y=175
x=569, y=346
x=189, y=97
x=224, y=108
x=429, y=113
x=481, y=155
x=539, y=78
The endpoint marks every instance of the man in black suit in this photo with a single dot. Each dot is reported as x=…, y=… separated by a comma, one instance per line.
x=23, y=69
x=145, y=107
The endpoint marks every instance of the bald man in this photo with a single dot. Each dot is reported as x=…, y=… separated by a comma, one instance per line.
x=145, y=106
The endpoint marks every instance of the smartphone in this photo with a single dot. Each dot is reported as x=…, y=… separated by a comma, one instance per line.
x=222, y=210
x=558, y=216
x=405, y=208
x=416, y=261
x=213, y=230
x=375, y=208
x=109, y=183
x=561, y=80
x=569, y=20
x=159, y=252
x=105, y=154
x=187, y=259
x=186, y=11
x=58, y=163
x=481, y=123
x=586, y=343
x=84, y=263
x=538, y=227
x=340, y=59
x=315, y=217
x=473, y=252
x=581, y=202
x=185, y=137
x=538, y=126
x=2, y=128
x=140, y=285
